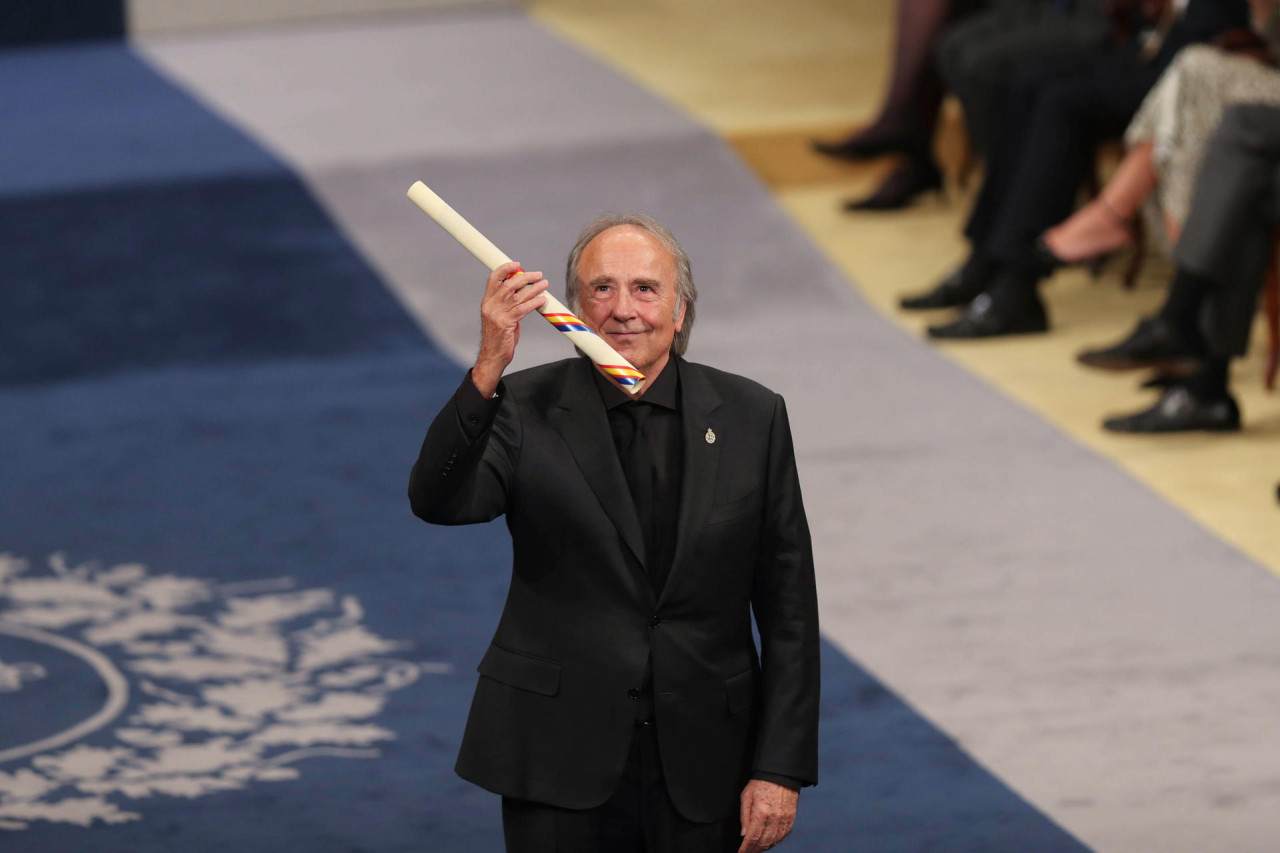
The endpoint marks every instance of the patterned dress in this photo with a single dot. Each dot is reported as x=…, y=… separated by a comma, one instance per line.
x=1183, y=109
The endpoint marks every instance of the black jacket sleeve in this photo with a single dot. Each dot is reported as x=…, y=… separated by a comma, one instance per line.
x=467, y=459
x=785, y=603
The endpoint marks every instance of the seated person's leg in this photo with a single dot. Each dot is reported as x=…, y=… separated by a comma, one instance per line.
x=906, y=119
x=988, y=62
x=1105, y=224
x=1068, y=117
x=956, y=51
x=1018, y=98
x=1068, y=121
x=1169, y=341
x=1222, y=259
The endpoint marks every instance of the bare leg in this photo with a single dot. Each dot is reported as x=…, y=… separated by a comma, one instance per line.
x=1172, y=230
x=1104, y=224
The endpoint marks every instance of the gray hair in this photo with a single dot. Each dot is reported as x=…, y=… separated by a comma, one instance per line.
x=686, y=292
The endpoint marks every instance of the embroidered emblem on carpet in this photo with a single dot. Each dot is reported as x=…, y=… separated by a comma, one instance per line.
x=208, y=687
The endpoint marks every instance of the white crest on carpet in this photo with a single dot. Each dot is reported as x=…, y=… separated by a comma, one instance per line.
x=237, y=683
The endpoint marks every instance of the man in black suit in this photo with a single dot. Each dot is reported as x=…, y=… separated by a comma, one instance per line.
x=622, y=705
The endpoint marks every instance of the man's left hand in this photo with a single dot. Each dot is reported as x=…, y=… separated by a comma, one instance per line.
x=768, y=813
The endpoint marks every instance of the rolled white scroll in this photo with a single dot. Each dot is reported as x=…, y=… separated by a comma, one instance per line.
x=617, y=367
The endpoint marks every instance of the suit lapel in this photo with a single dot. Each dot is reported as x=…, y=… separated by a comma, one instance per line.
x=698, y=404
x=581, y=419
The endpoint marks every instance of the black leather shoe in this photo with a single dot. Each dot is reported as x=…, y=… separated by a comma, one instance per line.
x=855, y=148
x=1161, y=380
x=1154, y=343
x=903, y=184
x=955, y=291
x=984, y=318
x=1178, y=410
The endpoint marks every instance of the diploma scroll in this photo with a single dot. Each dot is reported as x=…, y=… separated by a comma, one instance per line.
x=617, y=367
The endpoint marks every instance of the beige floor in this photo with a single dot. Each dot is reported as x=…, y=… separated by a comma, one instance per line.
x=769, y=76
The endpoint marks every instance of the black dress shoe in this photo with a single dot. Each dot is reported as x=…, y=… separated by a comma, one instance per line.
x=985, y=318
x=1178, y=410
x=856, y=148
x=955, y=291
x=903, y=184
x=1154, y=343
x=1161, y=380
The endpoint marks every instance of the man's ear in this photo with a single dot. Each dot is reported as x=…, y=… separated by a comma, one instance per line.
x=680, y=319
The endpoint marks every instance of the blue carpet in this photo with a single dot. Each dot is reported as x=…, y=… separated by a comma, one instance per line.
x=25, y=22
x=225, y=270
x=84, y=117
x=200, y=375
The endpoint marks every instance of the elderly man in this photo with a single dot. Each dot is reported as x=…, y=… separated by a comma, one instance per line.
x=623, y=705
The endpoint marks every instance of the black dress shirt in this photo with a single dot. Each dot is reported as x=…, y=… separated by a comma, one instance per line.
x=662, y=434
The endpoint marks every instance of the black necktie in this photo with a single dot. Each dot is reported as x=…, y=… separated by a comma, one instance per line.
x=637, y=465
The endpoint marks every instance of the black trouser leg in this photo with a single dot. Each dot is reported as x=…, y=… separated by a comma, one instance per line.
x=1069, y=117
x=638, y=818
x=1234, y=213
x=1184, y=304
x=1008, y=141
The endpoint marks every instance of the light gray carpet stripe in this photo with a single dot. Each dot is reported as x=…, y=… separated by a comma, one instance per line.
x=150, y=17
x=1109, y=659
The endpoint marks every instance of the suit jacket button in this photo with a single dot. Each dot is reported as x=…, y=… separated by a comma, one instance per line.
x=655, y=622
x=633, y=693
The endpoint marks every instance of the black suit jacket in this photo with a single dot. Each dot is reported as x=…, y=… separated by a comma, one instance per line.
x=553, y=713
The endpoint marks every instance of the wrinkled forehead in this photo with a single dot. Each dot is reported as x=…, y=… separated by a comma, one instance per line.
x=627, y=251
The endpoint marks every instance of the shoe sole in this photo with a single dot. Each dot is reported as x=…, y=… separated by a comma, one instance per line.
x=933, y=307
x=1204, y=428
x=1173, y=366
x=1006, y=333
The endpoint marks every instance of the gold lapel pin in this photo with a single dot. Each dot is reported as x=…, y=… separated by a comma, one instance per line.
x=711, y=436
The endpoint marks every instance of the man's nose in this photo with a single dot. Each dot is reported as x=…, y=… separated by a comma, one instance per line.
x=624, y=307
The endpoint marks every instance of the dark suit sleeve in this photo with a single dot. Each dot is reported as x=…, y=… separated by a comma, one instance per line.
x=785, y=603
x=1203, y=21
x=784, y=781
x=467, y=459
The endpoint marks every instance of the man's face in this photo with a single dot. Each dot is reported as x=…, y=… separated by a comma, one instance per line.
x=627, y=293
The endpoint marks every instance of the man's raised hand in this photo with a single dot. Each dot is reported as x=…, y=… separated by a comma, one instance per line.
x=509, y=296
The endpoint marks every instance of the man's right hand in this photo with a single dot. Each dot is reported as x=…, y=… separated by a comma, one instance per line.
x=508, y=297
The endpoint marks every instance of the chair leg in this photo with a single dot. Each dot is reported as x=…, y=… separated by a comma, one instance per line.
x=968, y=165
x=1138, y=256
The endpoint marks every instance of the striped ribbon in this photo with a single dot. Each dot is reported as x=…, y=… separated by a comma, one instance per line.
x=568, y=323
x=622, y=374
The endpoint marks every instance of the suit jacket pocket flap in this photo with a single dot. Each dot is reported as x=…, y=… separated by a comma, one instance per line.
x=521, y=671
x=732, y=509
x=741, y=690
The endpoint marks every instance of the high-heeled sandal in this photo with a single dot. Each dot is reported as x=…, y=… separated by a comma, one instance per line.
x=1050, y=262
